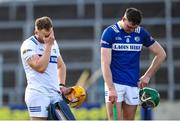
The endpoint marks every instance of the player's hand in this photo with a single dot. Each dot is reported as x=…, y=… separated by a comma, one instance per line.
x=67, y=91
x=50, y=38
x=112, y=95
x=63, y=89
x=143, y=81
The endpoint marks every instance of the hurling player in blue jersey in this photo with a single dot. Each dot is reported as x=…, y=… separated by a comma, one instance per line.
x=121, y=45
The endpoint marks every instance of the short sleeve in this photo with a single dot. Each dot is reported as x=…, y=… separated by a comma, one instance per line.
x=28, y=49
x=148, y=39
x=107, y=38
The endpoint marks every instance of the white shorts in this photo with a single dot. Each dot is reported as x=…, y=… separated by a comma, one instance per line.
x=130, y=95
x=37, y=102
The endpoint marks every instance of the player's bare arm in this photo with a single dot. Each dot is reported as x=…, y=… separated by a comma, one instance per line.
x=61, y=71
x=105, y=65
x=160, y=56
x=40, y=63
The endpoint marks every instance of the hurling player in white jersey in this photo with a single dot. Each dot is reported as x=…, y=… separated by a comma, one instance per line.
x=44, y=68
x=121, y=45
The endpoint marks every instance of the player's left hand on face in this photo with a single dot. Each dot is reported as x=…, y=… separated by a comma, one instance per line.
x=143, y=81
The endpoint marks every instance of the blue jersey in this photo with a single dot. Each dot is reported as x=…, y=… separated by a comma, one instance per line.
x=126, y=49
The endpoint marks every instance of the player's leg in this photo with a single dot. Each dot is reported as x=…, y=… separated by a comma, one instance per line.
x=128, y=111
x=109, y=108
x=109, y=105
x=119, y=110
x=120, y=94
x=130, y=103
x=110, y=112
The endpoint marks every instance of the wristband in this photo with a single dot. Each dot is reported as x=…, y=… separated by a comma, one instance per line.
x=62, y=85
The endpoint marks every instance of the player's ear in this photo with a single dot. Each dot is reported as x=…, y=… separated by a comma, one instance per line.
x=35, y=31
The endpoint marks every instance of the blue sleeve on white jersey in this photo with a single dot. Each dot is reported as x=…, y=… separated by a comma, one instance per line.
x=107, y=38
x=148, y=39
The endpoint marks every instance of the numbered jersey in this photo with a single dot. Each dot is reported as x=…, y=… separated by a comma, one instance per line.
x=126, y=49
x=42, y=82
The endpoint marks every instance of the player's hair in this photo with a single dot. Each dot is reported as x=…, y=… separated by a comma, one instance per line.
x=133, y=15
x=43, y=23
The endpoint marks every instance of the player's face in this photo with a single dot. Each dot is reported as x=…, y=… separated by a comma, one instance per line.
x=129, y=26
x=43, y=34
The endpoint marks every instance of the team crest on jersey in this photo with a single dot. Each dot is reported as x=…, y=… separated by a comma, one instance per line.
x=54, y=50
x=137, y=38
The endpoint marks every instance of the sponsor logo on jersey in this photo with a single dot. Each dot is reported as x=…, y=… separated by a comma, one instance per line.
x=126, y=47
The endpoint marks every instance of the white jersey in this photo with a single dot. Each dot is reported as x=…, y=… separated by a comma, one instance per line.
x=43, y=82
